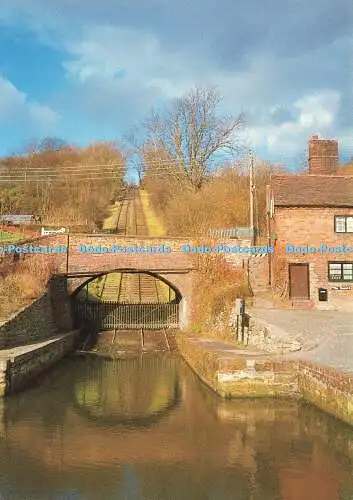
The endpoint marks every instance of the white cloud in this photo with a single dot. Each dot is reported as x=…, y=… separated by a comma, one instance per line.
x=121, y=64
x=109, y=54
x=144, y=56
x=319, y=109
x=120, y=73
x=43, y=116
x=152, y=74
x=10, y=99
x=316, y=114
x=16, y=108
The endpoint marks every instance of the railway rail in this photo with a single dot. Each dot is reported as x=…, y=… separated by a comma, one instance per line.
x=137, y=341
x=131, y=309
x=131, y=218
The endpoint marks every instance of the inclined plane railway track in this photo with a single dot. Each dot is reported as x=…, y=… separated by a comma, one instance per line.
x=139, y=290
x=133, y=287
x=141, y=340
x=131, y=219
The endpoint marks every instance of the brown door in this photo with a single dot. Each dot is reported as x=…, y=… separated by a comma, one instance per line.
x=299, y=281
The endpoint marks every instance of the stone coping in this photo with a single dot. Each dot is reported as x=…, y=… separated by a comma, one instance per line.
x=16, y=352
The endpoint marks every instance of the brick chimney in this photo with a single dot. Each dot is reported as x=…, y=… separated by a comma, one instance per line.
x=323, y=156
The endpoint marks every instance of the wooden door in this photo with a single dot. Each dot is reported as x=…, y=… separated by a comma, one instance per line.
x=299, y=281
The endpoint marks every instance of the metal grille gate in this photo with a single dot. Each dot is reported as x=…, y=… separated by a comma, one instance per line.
x=111, y=315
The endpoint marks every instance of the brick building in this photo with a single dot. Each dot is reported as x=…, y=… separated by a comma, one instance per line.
x=310, y=224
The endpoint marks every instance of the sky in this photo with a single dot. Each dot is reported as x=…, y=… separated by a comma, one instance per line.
x=87, y=70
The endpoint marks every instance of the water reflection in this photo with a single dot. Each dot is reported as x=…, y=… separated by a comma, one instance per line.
x=135, y=392
x=130, y=488
x=148, y=429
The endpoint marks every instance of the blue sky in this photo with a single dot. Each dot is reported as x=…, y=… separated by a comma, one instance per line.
x=89, y=70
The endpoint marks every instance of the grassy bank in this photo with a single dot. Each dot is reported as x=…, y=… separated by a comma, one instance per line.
x=13, y=237
x=154, y=224
x=111, y=222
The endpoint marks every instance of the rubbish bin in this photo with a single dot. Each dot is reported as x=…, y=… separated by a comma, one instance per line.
x=322, y=295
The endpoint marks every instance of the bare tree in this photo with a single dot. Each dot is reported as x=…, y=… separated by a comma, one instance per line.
x=52, y=144
x=192, y=134
x=134, y=150
x=47, y=144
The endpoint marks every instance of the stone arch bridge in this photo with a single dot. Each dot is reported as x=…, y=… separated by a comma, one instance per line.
x=92, y=255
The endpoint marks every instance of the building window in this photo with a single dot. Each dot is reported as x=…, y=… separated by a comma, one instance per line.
x=343, y=223
x=340, y=271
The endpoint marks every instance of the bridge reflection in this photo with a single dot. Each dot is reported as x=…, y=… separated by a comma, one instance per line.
x=133, y=393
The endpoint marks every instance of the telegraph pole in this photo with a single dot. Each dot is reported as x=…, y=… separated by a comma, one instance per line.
x=251, y=196
x=67, y=251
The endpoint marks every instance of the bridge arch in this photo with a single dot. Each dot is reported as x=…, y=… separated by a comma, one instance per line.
x=75, y=287
x=63, y=285
x=180, y=281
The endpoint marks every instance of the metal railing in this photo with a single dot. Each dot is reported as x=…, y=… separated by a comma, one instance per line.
x=232, y=232
x=117, y=315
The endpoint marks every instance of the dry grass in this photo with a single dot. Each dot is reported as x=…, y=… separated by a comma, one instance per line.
x=154, y=224
x=222, y=202
x=26, y=282
x=67, y=199
x=218, y=285
x=111, y=222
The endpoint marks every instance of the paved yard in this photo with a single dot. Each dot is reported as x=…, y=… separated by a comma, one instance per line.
x=326, y=336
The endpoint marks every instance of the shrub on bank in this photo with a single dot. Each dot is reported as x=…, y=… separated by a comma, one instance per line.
x=27, y=281
x=218, y=284
x=222, y=202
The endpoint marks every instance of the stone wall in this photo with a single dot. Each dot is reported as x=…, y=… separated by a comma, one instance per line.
x=327, y=389
x=30, y=324
x=259, y=274
x=60, y=302
x=247, y=374
x=264, y=336
x=239, y=375
x=85, y=261
x=17, y=371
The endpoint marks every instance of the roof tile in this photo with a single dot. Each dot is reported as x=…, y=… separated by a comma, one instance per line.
x=312, y=190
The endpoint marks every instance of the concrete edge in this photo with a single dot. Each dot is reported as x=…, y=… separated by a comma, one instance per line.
x=16, y=371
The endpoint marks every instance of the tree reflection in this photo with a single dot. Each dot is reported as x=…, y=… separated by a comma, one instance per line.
x=128, y=392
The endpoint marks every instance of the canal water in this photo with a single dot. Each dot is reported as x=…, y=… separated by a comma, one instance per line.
x=148, y=429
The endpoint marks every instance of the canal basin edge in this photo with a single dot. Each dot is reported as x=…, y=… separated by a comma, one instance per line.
x=20, y=365
x=255, y=375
